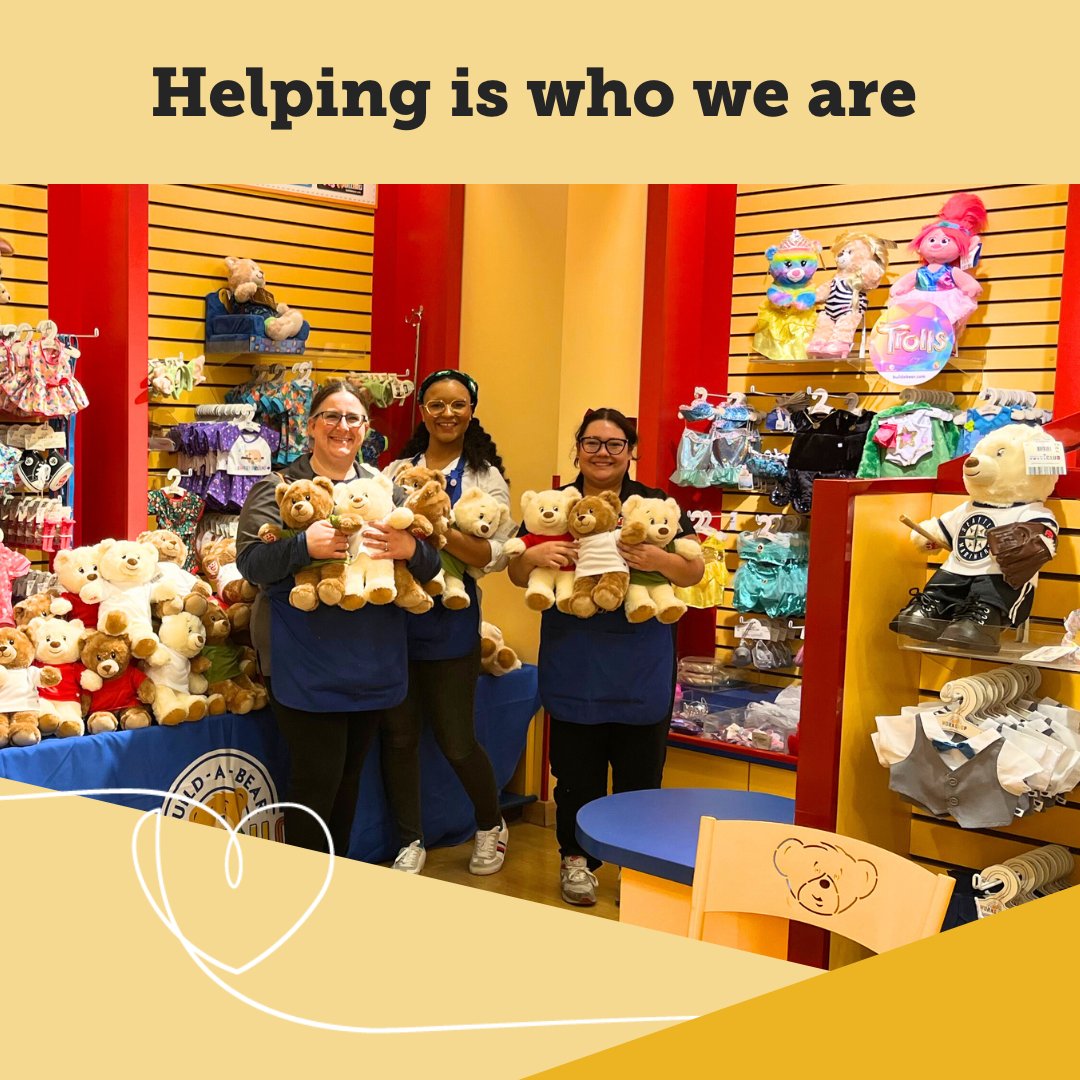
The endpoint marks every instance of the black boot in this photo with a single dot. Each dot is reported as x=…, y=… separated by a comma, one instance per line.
x=926, y=616
x=976, y=626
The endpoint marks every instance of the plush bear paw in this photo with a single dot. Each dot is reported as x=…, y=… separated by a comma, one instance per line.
x=380, y=594
x=456, y=601
x=49, y=723
x=671, y=613
x=195, y=604
x=66, y=729
x=144, y=648
x=135, y=718
x=352, y=602
x=641, y=613
x=174, y=716
x=330, y=592
x=215, y=704
x=101, y=722
x=536, y=600
x=197, y=709
x=304, y=597
x=582, y=606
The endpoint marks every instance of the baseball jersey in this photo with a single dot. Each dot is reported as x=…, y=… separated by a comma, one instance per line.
x=967, y=530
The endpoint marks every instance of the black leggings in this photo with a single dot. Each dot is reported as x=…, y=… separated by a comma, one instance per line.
x=443, y=692
x=580, y=754
x=327, y=752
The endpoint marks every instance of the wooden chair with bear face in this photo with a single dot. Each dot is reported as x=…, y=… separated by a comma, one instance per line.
x=752, y=877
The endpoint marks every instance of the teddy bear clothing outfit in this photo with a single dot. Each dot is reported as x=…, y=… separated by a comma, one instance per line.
x=68, y=688
x=119, y=693
x=180, y=514
x=609, y=686
x=911, y=439
x=444, y=664
x=935, y=283
x=13, y=564
x=329, y=672
x=19, y=688
x=971, y=569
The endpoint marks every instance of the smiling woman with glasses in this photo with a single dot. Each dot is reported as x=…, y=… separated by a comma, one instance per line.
x=608, y=684
x=330, y=672
x=444, y=645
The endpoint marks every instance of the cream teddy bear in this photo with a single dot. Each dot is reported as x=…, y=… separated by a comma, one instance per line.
x=58, y=644
x=181, y=693
x=654, y=521
x=547, y=516
x=477, y=514
x=368, y=580
x=496, y=657
x=126, y=590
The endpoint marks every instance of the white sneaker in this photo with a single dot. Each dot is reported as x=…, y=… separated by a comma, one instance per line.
x=489, y=850
x=578, y=882
x=411, y=859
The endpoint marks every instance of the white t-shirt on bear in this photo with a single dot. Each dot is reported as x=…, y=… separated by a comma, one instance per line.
x=599, y=554
x=133, y=601
x=19, y=689
x=174, y=673
x=967, y=528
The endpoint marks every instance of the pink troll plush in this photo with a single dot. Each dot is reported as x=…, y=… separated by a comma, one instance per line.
x=946, y=246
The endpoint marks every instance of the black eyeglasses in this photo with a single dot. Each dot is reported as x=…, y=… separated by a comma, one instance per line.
x=612, y=446
x=331, y=418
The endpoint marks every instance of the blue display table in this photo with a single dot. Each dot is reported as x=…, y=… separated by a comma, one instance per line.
x=241, y=762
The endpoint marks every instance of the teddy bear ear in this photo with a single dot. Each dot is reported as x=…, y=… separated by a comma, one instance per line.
x=673, y=506
x=33, y=627
x=865, y=874
x=571, y=495
x=632, y=503
x=230, y=262
x=79, y=627
x=325, y=483
x=105, y=547
x=62, y=558
x=785, y=853
x=527, y=498
x=612, y=500
x=279, y=492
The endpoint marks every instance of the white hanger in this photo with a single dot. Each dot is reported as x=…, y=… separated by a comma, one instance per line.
x=702, y=521
x=173, y=486
x=821, y=406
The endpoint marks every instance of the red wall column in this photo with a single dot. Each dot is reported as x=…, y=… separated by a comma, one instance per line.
x=419, y=230
x=1067, y=379
x=686, y=326
x=98, y=276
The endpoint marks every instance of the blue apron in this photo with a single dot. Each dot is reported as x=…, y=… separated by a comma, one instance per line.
x=606, y=670
x=442, y=634
x=332, y=660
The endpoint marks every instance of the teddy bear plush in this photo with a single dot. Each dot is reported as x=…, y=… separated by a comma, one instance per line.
x=191, y=593
x=127, y=587
x=41, y=605
x=496, y=657
x=477, y=514
x=115, y=692
x=997, y=542
x=546, y=515
x=57, y=644
x=786, y=317
x=601, y=576
x=822, y=878
x=861, y=262
x=180, y=691
x=218, y=559
x=370, y=499
x=20, y=705
x=303, y=502
x=247, y=286
x=654, y=521
x=426, y=497
x=76, y=570
x=228, y=667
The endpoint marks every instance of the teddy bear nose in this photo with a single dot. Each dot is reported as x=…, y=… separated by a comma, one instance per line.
x=824, y=883
x=971, y=464
x=91, y=577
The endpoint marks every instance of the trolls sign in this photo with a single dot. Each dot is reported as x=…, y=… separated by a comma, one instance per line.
x=911, y=341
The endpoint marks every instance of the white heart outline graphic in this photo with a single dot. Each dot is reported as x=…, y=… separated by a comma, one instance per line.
x=168, y=917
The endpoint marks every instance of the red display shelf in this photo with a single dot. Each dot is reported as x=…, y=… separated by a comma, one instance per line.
x=730, y=750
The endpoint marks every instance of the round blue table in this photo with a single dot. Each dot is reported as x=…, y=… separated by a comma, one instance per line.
x=653, y=836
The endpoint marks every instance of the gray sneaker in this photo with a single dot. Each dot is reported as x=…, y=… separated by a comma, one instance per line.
x=489, y=850
x=410, y=860
x=578, y=881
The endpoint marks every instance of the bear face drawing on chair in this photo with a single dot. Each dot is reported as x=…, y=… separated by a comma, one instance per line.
x=824, y=878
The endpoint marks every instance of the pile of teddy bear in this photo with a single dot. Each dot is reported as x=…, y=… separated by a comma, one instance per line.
x=601, y=580
x=128, y=637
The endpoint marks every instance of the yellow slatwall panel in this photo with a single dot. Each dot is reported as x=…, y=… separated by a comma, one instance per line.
x=316, y=258
x=1011, y=338
x=24, y=221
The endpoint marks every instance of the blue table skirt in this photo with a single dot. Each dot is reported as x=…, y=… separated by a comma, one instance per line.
x=163, y=759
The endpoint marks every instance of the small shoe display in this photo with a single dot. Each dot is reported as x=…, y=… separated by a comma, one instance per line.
x=411, y=859
x=925, y=617
x=577, y=881
x=489, y=850
x=975, y=626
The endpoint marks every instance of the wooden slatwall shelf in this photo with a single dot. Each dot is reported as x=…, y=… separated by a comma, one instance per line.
x=316, y=258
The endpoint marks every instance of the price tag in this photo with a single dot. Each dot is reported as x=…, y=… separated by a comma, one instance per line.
x=1048, y=654
x=1045, y=458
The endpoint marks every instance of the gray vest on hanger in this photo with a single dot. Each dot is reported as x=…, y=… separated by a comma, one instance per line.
x=972, y=794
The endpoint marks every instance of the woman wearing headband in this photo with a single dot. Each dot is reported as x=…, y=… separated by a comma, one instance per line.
x=444, y=645
x=330, y=672
x=608, y=684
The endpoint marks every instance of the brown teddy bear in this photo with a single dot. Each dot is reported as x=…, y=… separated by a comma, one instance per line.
x=654, y=521
x=247, y=286
x=218, y=558
x=601, y=576
x=57, y=644
x=426, y=497
x=20, y=705
x=115, y=693
x=228, y=667
x=172, y=554
x=42, y=605
x=302, y=502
